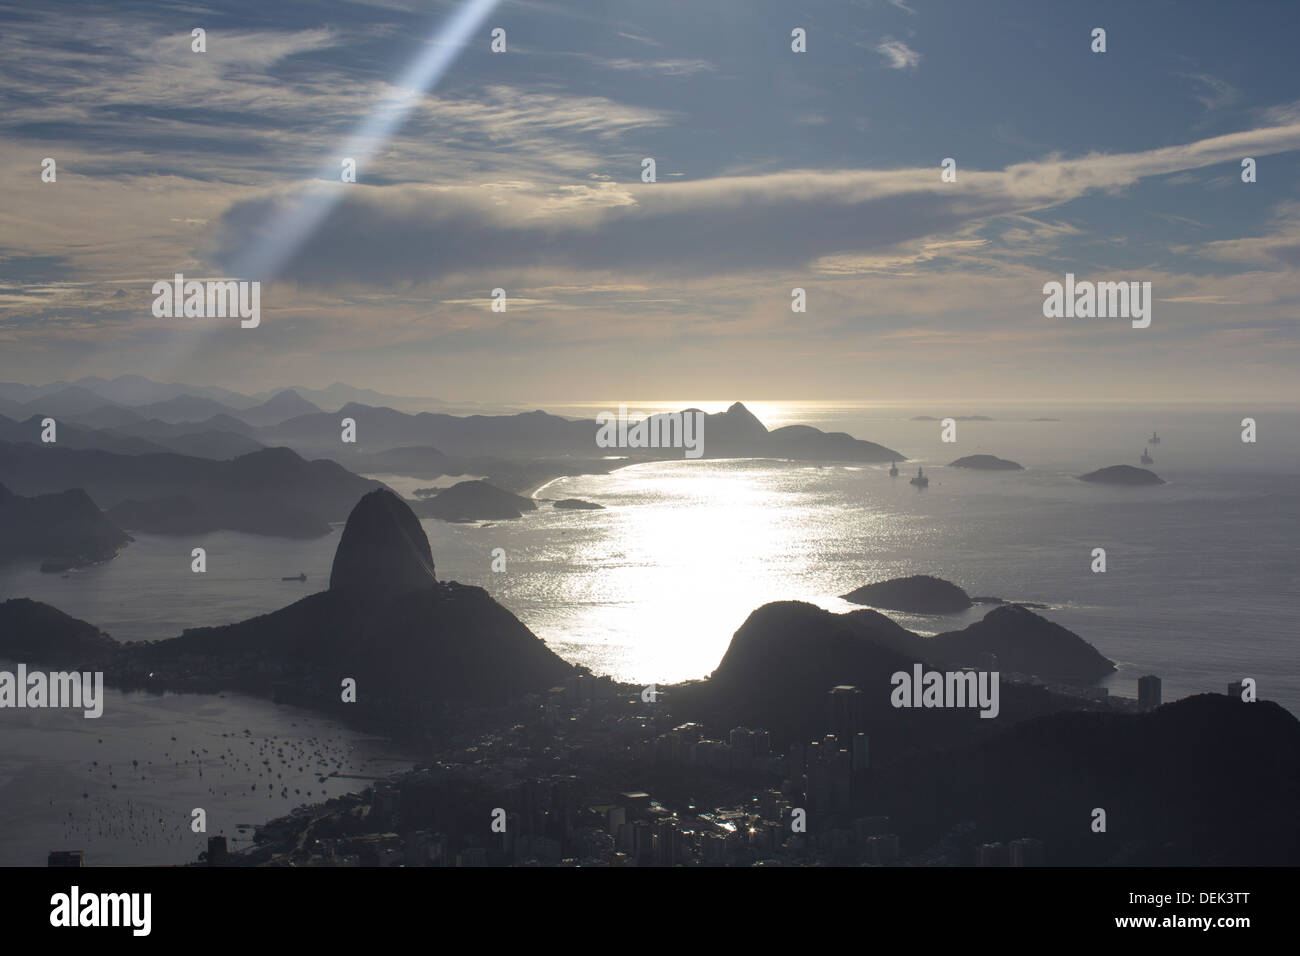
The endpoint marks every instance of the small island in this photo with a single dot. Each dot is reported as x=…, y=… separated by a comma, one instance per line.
x=918, y=594
x=987, y=463
x=577, y=504
x=1123, y=475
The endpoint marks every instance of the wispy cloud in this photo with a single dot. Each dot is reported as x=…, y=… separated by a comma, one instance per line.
x=720, y=225
x=898, y=55
x=669, y=67
x=1211, y=91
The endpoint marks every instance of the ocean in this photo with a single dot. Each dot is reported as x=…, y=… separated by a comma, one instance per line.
x=1199, y=587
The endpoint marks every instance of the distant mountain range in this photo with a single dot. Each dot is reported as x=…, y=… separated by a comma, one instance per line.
x=518, y=450
x=735, y=433
x=135, y=391
x=167, y=459
x=272, y=491
x=85, y=407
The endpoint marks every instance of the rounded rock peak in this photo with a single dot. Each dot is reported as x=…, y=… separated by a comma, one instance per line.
x=383, y=552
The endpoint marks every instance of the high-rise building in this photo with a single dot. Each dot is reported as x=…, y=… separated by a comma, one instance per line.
x=993, y=854
x=861, y=752
x=617, y=817
x=1028, y=852
x=1148, y=692
x=796, y=761
x=847, y=705
x=882, y=849
x=668, y=843
x=217, y=855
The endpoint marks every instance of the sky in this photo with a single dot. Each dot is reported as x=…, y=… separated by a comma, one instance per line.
x=775, y=170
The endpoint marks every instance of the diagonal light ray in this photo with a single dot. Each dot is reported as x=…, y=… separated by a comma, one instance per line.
x=271, y=250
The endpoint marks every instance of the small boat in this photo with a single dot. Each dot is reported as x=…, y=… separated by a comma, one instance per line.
x=1146, y=459
x=1154, y=440
x=921, y=480
x=296, y=577
x=893, y=469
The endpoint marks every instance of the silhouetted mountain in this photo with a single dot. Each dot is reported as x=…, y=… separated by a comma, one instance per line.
x=987, y=463
x=918, y=594
x=35, y=632
x=280, y=407
x=20, y=393
x=527, y=434
x=1164, y=779
x=784, y=660
x=136, y=390
x=739, y=423
x=105, y=417
x=383, y=553
x=272, y=491
x=219, y=437
x=184, y=408
x=733, y=433
x=72, y=436
x=473, y=501
x=1123, y=475
x=1025, y=643
x=71, y=400
x=65, y=529
x=810, y=444
x=410, y=642
x=340, y=394
x=786, y=657
x=157, y=430
x=210, y=444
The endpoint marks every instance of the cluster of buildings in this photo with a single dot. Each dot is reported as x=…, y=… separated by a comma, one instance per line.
x=744, y=751
x=549, y=786
x=1023, y=852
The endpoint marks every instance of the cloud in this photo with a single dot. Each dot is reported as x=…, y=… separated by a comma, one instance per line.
x=1211, y=91
x=898, y=55
x=1277, y=250
x=728, y=225
x=667, y=67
